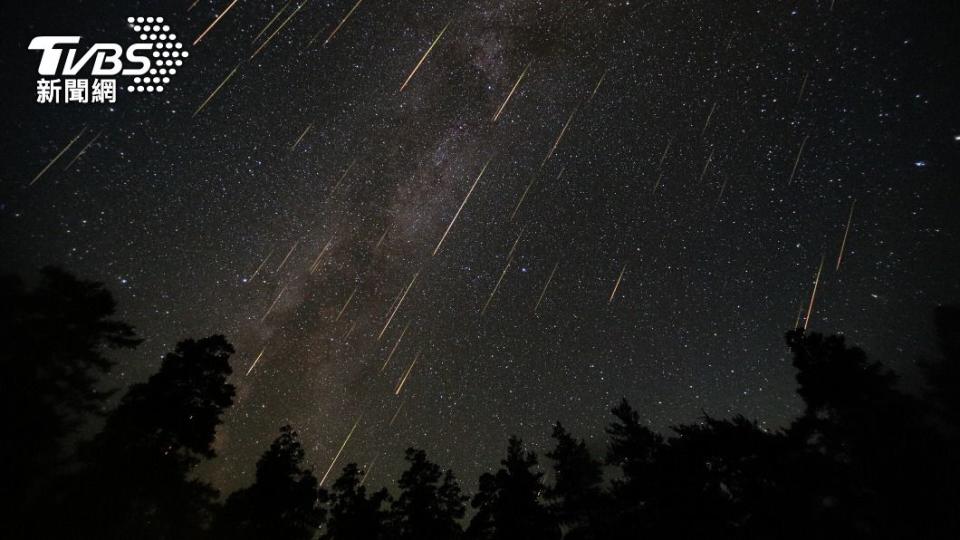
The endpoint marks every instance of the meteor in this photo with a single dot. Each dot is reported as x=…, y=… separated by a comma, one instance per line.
x=257, y=271
x=277, y=31
x=846, y=232
x=544, y=292
x=803, y=87
x=617, y=284
x=59, y=155
x=399, y=303
x=722, y=189
x=215, y=91
x=813, y=296
x=559, y=137
x=524, y=196
x=382, y=237
x=214, y=23
x=515, y=242
x=657, y=184
x=270, y=23
x=337, y=29
x=344, y=175
x=464, y=203
x=665, y=151
x=505, y=268
x=284, y=289
x=257, y=359
x=342, y=446
x=395, y=414
x=423, y=58
x=284, y=261
x=407, y=374
x=316, y=262
x=706, y=166
x=512, y=90
x=797, y=161
x=709, y=116
x=366, y=471
x=84, y=149
x=349, y=299
x=394, y=349
x=350, y=330
x=300, y=138
x=597, y=87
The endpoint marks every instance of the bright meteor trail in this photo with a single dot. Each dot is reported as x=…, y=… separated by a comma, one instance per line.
x=423, y=58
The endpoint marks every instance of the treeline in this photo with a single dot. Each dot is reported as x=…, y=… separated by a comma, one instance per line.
x=863, y=460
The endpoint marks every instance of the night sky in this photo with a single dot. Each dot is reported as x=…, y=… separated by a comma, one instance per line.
x=653, y=205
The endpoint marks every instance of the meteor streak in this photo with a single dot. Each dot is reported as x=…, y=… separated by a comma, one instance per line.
x=349, y=299
x=597, y=87
x=215, y=91
x=270, y=23
x=559, y=137
x=382, y=236
x=797, y=161
x=524, y=196
x=423, y=58
x=337, y=29
x=709, y=116
x=657, y=183
x=279, y=28
x=813, y=296
x=397, y=413
x=300, y=138
x=665, y=151
x=544, y=292
x=803, y=87
x=59, y=155
x=722, y=189
x=515, y=242
x=273, y=304
x=394, y=349
x=284, y=261
x=257, y=359
x=512, y=90
x=706, y=166
x=342, y=446
x=464, y=203
x=344, y=175
x=505, y=268
x=617, y=284
x=257, y=271
x=406, y=374
x=846, y=231
x=399, y=303
x=215, y=21
x=316, y=262
x=84, y=149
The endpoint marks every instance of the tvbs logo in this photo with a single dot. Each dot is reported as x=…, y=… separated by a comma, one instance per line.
x=87, y=76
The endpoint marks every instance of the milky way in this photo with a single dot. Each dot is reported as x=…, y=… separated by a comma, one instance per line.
x=530, y=208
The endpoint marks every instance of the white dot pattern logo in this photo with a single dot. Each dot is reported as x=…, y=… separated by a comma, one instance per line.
x=167, y=54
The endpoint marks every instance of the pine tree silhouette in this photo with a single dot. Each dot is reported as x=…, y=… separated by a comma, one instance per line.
x=429, y=504
x=576, y=496
x=352, y=513
x=508, y=502
x=137, y=480
x=54, y=340
x=281, y=504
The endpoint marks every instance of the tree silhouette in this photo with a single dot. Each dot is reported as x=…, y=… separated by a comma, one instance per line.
x=429, y=504
x=54, y=341
x=869, y=447
x=352, y=513
x=577, y=499
x=281, y=504
x=508, y=502
x=136, y=482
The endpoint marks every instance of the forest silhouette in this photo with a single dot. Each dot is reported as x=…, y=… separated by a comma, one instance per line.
x=864, y=459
